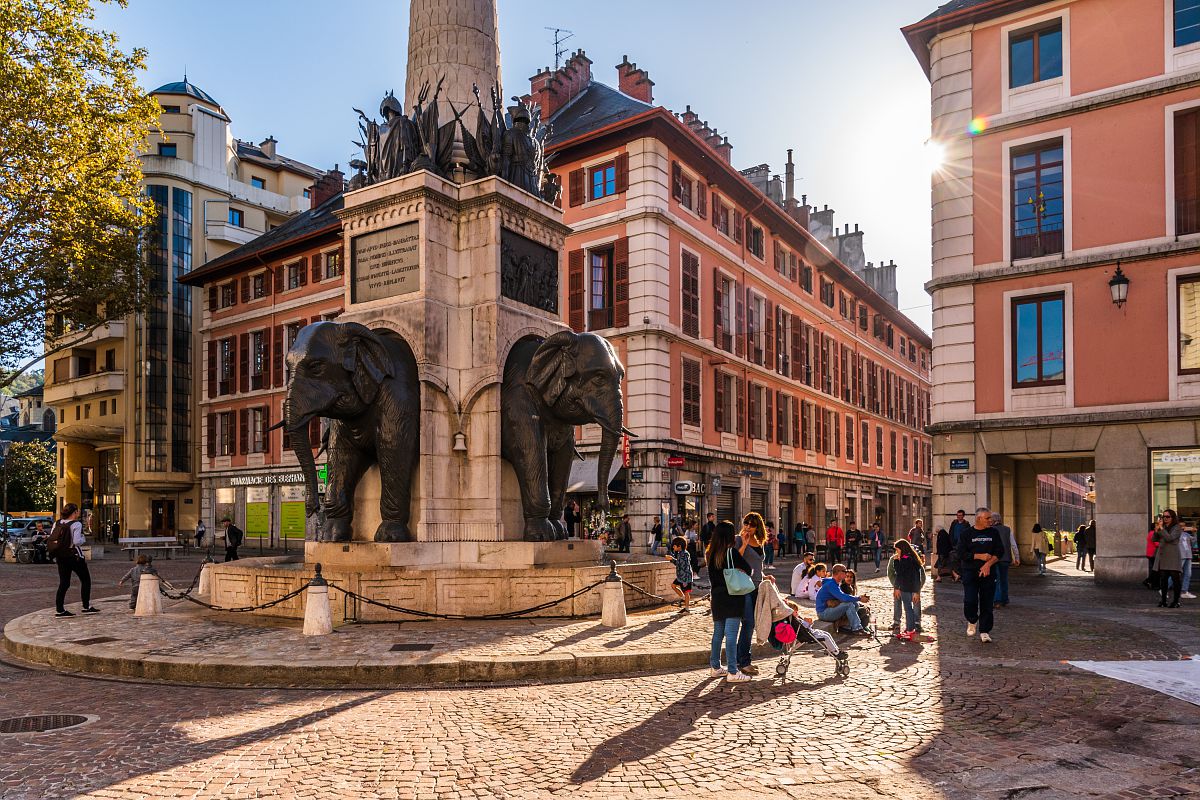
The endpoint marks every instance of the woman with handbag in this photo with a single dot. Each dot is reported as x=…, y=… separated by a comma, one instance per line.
x=729, y=575
x=751, y=543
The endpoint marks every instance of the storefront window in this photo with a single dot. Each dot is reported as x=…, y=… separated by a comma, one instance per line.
x=226, y=506
x=1175, y=483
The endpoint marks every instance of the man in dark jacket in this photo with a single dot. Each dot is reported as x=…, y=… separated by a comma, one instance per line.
x=979, y=549
x=958, y=526
x=233, y=539
x=1011, y=557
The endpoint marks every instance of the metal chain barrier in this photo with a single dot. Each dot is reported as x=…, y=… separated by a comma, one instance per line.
x=239, y=609
x=468, y=617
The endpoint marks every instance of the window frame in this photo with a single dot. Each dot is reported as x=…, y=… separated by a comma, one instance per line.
x=1035, y=33
x=603, y=313
x=1173, y=28
x=601, y=168
x=1177, y=333
x=332, y=257
x=1039, y=299
x=694, y=403
x=258, y=183
x=292, y=275
x=236, y=218
x=168, y=150
x=1036, y=149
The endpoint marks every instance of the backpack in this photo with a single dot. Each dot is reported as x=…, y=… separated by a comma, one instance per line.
x=59, y=543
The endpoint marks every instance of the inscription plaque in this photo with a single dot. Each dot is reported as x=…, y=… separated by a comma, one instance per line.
x=385, y=263
x=528, y=271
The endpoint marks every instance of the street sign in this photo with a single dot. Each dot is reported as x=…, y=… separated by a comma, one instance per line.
x=675, y=461
x=960, y=463
x=685, y=487
x=636, y=475
x=752, y=473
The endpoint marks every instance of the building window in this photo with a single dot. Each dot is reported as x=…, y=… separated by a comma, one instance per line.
x=291, y=332
x=170, y=109
x=228, y=294
x=726, y=331
x=1187, y=22
x=1175, y=474
x=691, y=392
x=755, y=241
x=755, y=332
x=1037, y=200
x=1188, y=299
x=690, y=293
x=725, y=405
x=295, y=275
x=237, y=218
x=167, y=150
x=258, y=359
x=892, y=442
x=866, y=442
x=1187, y=171
x=720, y=216
x=333, y=264
x=225, y=365
x=600, y=312
x=307, y=194
x=258, y=430
x=1035, y=55
x=879, y=447
x=785, y=415
x=904, y=446
x=603, y=181
x=258, y=285
x=258, y=183
x=827, y=292
x=806, y=278
x=1039, y=342
x=224, y=433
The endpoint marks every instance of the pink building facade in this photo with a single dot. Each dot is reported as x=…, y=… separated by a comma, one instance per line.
x=1072, y=135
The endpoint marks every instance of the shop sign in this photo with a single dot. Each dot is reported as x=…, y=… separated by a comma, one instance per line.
x=960, y=463
x=636, y=475
x=291, y=520
x=278, y=478
x=752, y=473
x=258, y=519
x=676, y=461
x=684, y=487
x=1178, y=457
x=625, y=452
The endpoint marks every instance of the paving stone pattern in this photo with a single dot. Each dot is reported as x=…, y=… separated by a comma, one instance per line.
x=950, y=718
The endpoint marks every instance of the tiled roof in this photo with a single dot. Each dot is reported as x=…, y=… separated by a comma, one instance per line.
x=598, y=106
x=252, y=152
x=305, y=224
x=954, y=6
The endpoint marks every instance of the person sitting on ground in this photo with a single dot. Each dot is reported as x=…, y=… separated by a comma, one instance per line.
x=801, y=570
x=140, y=568
x=812, y=582
x=833, y=604
x=683, y=571
x=850, y=582
x=906, y=573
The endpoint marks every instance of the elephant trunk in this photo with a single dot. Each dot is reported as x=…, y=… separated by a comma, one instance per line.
x=608, y=450
x=297, y=428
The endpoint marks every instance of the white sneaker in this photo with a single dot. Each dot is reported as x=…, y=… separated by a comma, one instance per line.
x=1188, y=596
x=737, y=677
x=716, y=673
x=971, y=628
x=985, y=637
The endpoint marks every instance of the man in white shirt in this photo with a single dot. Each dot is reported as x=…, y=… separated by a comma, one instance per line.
x=69, y=557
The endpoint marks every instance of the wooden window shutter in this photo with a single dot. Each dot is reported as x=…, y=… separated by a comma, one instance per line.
x=277, y=358
x=244, y=362
x=739, y=331
x=738, y=224
x=837, y=435
x=781, y=421
x=244, y=431
x=1187, y=172
x=622, y=170
x=212, y=298
x=575, y=290
x=716, y=209
x=302, y=273
x=701, y=199
x=690, y=284
x=212, y=368
x=576, y=187
x=264, y=442
x=316, y=267
x=795, y=423
x=211, y=434
x=768, y=414
x=280, y=285
x=741, y=407
x=719, y=400
x=676, y=180
x=768, y=334
x=752, y=406
x=718, y=323
x=621, y=283
x=245, y=288
x=805, y=438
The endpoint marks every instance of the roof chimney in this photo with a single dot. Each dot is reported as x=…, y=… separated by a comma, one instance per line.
x=268, y=147
x=328, y=186
x=634, y=82
x=790, y=181
x=553, y=89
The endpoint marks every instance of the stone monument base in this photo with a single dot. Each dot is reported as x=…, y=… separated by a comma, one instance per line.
x=437, y=577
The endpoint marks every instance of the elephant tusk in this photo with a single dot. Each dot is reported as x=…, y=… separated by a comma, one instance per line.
x=277, y=425
x=628, y=432
x=578, y=454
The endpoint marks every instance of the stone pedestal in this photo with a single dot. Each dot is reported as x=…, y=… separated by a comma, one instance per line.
x=149, y=601
x=461, y=273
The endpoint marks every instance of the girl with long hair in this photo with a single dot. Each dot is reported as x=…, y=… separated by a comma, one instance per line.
x=752, y=543
x=727, y=609
x=906, y=573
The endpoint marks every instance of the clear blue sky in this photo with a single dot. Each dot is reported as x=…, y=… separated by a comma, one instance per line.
x=833, y=80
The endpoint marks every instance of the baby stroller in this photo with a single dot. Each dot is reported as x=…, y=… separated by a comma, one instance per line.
x=793, y=633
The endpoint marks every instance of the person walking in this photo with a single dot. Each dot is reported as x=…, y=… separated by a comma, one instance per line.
x=916, y=536
x=835, y=540
x=854, y=539
x=979, y=550
x=875, y=542
x=1081, y=548
x=943, y=546
x=749, y=544
x=571, y=517
x=1011, y=557
x=1187, y=546
x=233, y=539
x=200, y=531
x=706, y=532
x=769, y=545
x=626, y=535
x=655, y=535
x=1090, y=542
x=1168, y=561
x=799, y=544
x=1151, y=581
x=66, y=546
x=727, y=610
x=1039, y=547
x=906, y=574
x=958, y=526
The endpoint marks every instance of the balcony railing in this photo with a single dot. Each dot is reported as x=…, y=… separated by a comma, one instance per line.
x=106, y=382
x=1048, y=241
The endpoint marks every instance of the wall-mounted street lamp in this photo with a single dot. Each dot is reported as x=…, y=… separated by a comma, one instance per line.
x=1091, y=482
x=1118, y=284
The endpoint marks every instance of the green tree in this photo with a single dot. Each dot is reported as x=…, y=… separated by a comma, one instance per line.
x=30, y=477
x=71, y=200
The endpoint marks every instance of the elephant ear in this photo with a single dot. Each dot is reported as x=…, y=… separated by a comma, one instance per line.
x=553, y=366
x=366, y=358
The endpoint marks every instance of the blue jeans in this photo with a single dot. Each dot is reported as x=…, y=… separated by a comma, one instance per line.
x=746, y=636
x=1001, y=572
x=769, y=553
x=877, y=551
x=726, y=630
x=1187, y=574
x=1041, y=562
x=847, y=610
x=912, y=610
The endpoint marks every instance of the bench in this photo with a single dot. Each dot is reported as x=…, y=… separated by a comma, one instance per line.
x=136, y=544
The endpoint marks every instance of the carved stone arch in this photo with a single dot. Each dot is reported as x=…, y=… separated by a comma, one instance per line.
x=407, y=336
x=521, y=333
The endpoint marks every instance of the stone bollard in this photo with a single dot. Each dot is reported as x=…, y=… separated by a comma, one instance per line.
x=612, y=599
x=318, y=621
x=204, y=589
x=149, y=601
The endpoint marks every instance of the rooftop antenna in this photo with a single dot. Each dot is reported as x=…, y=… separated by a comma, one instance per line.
x=559, y=39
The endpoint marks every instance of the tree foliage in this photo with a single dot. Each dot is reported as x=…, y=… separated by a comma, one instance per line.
x=71, y=201
x=30, y=477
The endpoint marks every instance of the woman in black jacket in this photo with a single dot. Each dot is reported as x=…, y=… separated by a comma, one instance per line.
x=727, y=609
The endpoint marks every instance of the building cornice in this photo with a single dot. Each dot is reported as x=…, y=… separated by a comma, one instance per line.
x=1045, y=420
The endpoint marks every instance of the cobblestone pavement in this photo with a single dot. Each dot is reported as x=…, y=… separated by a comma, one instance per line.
x=950, y=718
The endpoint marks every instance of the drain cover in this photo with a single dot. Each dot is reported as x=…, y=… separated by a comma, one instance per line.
x=41, y=722
x=94, y=640
x=411, y=648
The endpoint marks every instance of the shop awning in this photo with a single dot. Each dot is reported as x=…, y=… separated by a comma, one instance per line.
x=583, y=474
